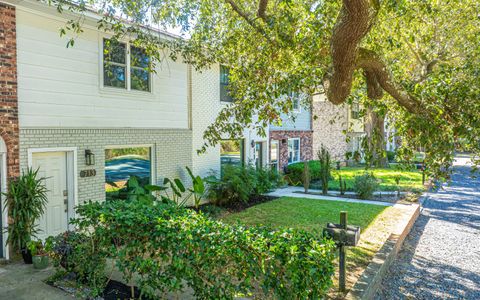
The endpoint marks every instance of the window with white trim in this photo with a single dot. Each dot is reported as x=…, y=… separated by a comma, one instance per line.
x=295, y=97
x=224, y=82
x=293, y=150
x=125, y=66
x=355, y=108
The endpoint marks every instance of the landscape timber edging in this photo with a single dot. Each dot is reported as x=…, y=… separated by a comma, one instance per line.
x=367, y=285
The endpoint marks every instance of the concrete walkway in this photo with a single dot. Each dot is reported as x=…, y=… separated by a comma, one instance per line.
x=297, y=192
x=440, y=258
x=23, y=282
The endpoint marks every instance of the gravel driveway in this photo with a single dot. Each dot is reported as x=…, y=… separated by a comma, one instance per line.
x=440, y=258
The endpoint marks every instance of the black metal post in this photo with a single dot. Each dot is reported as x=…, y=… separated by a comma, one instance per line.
x=342, y=267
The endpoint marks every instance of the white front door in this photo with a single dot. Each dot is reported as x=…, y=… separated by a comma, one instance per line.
x=53, y=166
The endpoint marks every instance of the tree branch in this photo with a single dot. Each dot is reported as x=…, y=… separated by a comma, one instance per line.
x=250, y=21
x=262, y=7
x=371, y=62
x=374, y=90
x=353, y=23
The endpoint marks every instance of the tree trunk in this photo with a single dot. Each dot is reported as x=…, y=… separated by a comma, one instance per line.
x=375, y=130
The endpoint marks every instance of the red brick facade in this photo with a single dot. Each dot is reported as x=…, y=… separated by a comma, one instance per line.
x=306, y=152
x=8, y=88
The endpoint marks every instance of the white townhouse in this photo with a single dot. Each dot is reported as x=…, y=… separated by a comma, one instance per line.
x=86, y=118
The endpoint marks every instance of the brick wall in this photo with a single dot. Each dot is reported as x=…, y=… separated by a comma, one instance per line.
x=8, y=87
x=328, y=128
x=172, y=151
x=305, y=136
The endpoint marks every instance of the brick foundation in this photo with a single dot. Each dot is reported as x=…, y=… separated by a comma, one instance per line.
x=305, y=136
x=8, y=88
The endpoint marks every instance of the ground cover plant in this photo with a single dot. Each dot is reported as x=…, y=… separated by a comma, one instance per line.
x=410, y=180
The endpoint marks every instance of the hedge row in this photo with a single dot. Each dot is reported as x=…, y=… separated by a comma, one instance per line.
x=169, y=248
x=294, y=172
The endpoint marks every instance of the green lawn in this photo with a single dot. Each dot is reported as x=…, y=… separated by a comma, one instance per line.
x=307, y=214
x=409, y=180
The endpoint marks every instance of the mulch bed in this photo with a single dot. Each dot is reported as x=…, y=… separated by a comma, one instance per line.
x=116, y=290
x=239, y=206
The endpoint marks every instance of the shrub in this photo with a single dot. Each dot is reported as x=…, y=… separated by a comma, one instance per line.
x=391, y=156
x=294, y=172
x=235, y=185
x=365, y=185
x=238, y=184
x=169, y=248
x=26, y=200
x=325, y=168
x=81, y=254
x=306, y=177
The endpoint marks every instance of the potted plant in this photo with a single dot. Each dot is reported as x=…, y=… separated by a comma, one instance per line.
x=39, y=253
x=26, y=199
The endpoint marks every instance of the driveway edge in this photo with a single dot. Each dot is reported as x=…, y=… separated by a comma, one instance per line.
x=368, y=283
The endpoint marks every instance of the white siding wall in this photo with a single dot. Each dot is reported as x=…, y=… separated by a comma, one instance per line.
x=60, y=87
x=205, y=107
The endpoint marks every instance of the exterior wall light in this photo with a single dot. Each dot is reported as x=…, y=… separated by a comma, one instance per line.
x=89, y=158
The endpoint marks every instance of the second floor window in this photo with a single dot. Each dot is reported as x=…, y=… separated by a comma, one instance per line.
x=125, y=66
x=355, y=110
x=224, y=81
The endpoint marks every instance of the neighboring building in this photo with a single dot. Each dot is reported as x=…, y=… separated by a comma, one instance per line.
x=291, y=141
x=209, y=96
x=392, y=140
x=337, y=127
x=80, y=114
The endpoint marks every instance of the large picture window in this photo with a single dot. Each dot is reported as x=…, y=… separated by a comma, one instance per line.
x=293, y=150
x=125, y=66
x=231, y=152
x=123, y=163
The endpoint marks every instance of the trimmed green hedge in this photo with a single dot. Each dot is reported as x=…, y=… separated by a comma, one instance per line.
x=294, y=172
x=168, y=248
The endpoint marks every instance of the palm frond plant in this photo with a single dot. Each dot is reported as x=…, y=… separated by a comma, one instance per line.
x=26, y=200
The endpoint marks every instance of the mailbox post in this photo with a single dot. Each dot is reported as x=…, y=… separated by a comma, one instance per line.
x=343, y=235
x=342, y=267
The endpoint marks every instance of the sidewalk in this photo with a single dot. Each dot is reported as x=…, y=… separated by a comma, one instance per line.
x=297, y=192
x=23, y=282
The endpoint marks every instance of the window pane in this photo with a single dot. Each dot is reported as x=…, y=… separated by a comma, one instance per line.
x=114, y=51
x=140, y=79
x=231, y=152
x=114, y=75
x=138, y=58
x=224, y=73
x=121, y=164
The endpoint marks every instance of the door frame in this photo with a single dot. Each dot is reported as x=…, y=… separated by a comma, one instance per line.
x=4, y=213
x=277, y=142
x=72, y=179
x=260, y=152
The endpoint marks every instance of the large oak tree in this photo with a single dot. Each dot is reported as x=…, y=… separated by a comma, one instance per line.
x=415, y=60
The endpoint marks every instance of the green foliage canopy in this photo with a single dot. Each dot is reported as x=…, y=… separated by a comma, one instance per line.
x=423, y=54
